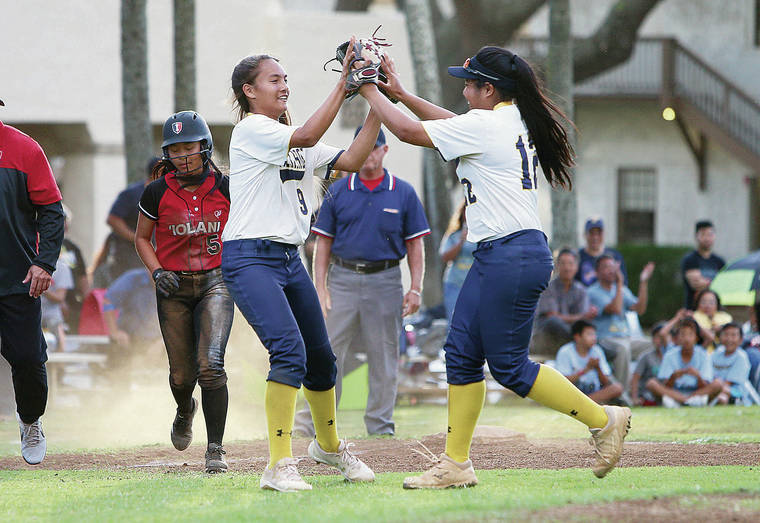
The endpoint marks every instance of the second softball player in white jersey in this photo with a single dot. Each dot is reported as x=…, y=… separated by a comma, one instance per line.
x=271, y=186
x=491, y=145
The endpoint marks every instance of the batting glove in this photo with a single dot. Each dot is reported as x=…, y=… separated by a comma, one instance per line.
x=167, y=282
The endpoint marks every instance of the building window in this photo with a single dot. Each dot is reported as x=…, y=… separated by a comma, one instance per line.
x=637, y=201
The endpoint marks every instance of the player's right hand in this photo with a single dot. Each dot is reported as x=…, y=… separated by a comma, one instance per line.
x=39, y=280
x=167, y=282
x=393, y=87
x=325, y=301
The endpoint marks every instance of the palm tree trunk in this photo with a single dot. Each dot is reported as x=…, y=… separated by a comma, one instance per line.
x=184, y=55
x=138, y=139
x=559, y=78
x=435, y=174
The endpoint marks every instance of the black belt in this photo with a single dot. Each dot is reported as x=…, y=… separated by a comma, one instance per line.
x=193, y=273
x=365, y=267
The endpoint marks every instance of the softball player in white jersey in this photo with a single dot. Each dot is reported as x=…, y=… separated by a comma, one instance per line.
x=271, y=169
x=510, y=130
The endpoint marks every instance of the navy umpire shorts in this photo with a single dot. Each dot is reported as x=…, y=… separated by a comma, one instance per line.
x=272, y=289
x=493, y=315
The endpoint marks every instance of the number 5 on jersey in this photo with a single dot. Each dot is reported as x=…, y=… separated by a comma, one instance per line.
x=526, y=181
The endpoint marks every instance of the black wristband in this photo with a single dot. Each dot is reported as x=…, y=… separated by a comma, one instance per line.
x=157, y=273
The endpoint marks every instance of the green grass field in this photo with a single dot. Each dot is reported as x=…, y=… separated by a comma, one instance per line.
x=507, y=494
x=134, y=495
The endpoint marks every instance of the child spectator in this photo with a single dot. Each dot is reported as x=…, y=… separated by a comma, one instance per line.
x=582, y=362
x=709, y=317
x=648, y=366
x=686, y=375
x=730, y=365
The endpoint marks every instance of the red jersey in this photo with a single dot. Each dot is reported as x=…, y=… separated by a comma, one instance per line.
x=189, y=224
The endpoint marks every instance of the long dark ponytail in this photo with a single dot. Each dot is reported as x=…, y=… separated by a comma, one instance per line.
x=542, y=117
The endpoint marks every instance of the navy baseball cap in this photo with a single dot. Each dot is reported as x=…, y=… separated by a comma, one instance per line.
x=472, y=69
x=594, y=223
x=380, y=136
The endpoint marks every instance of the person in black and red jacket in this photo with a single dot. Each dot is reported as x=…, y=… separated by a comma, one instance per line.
x=186, y=206
x=31, y=232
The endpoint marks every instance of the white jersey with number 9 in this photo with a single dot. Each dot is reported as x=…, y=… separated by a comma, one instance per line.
x=498, y=169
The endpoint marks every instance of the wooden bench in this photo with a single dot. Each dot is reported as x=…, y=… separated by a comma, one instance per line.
x=58, y=361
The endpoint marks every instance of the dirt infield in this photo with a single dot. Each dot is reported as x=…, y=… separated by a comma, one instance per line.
x=498, y=450
x=680, y=509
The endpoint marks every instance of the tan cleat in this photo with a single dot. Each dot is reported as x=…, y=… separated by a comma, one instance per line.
x=283, y=477
x=608, y=441
x=446, y=473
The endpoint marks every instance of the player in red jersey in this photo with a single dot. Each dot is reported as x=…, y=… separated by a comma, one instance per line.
x=186, y=206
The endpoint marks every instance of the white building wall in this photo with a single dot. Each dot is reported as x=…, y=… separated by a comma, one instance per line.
x=636, y=136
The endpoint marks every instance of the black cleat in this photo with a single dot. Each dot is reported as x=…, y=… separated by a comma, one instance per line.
x=215, y=462
x=182, y=428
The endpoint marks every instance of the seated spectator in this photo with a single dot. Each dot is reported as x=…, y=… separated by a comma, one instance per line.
x=456, y=253
x=648, y=364
x=562, y=303
x=730, y=365
x=751, y=344
x=72, y=256
x=612, y=299
x=686, y=375
x=122, y=219
x=582, y=362
x=130, y=309
x=709, y=317
x=54, y=301
x=594, y=248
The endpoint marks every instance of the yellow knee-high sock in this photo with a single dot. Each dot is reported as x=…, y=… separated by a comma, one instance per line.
x=555, y=391
x=322, y=405
x=280, y=404
x=465, y=404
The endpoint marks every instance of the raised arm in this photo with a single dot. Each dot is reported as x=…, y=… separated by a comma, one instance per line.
x=421, y=108
x=355, y=156
x=311, y=132
x=405, y=128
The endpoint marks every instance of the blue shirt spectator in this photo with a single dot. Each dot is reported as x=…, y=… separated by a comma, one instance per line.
x=569, y=361
x=733, y=368
x=674, y=361
x=610, y=325
x=361, y=234
x=588, y=255
x=133, y=296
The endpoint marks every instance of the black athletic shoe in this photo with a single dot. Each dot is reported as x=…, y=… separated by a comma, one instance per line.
x=182, y=428
x=215, y=462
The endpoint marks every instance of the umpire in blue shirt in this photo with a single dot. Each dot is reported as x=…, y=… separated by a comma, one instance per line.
x=368, y=222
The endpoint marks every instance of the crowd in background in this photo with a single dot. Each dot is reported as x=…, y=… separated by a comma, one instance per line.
x=586, y=322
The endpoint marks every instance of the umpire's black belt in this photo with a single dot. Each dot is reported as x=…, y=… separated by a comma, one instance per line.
x=364, y=267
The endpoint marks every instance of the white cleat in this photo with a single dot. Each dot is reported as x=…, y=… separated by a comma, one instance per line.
x=352, y=468
x=283, y=477
x=33, y=443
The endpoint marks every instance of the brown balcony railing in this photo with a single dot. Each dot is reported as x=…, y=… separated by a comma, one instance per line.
x=662, y=69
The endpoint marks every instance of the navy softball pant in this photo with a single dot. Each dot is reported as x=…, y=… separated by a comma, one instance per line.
x=493, y=315
x=272, y=289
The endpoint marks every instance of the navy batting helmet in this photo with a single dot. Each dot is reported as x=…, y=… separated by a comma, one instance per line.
x=187, y=126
